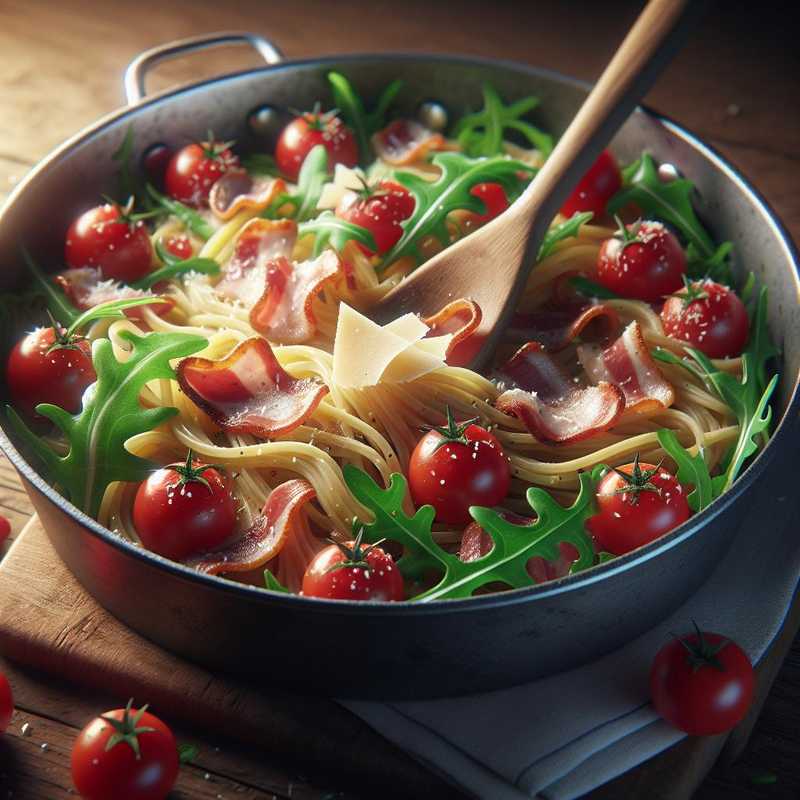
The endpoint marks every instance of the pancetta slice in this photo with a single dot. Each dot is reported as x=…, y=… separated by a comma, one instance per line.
x=627, y=363
x=405, y=141
x=460, y=318
x=236, y=190
x=284, y=312
x=266, y=537
x=558, y=328
x=550, y=405
x=249, y=392
x=85, y=288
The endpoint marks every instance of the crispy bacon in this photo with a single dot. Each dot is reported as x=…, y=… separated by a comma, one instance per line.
x=558, y=328
x=85, y=288
x=249, y=392
x=284, y=311
x=550, y=405
x=460, y=318
x=291, y=563
x=266, y=537
x=236, y=190
x=628, y=364
x=405, y=141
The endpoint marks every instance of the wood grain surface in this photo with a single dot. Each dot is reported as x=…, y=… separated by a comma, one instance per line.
x=735, y=84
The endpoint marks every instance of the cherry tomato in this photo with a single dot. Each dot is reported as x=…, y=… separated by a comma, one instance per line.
x=36, y=374
x=637, y=503
x=595, y=188
x=702, y=683
x=183, y=509
x=494, y=198
x=305, y=132
x=353, y=571
x=179, y=246
x=107, y=237
x=644, y=261
x=709, y=316
x=5, y=529
x=141, y=764
x=458, y=466
x=155, y=162
x=380, y=212
x=194, y=169
x=6, y=703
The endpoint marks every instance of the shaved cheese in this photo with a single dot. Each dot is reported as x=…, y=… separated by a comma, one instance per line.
x=410, y=327
x=345, y=180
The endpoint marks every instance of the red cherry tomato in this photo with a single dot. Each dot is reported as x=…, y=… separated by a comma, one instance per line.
x=179, y=246
x=353, y=571
x=155, y=162
x=183, y=509
x=6, y=703
x=194, y=169
x=100, y=771
x=636, y=509
x=494, y=198
x=5, y=529
x=596, y=188
x=105, y=237
x=305, y=132
x=708, y=316
x=645, y=262
x=380, y=212
x=702, y=684
x=35, y=374
x=456, y=467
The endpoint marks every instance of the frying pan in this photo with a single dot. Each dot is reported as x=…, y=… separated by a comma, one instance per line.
x=405, y=650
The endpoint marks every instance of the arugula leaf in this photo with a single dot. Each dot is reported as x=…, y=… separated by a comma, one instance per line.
x=692, y=470
x=174, y=268
x=330, y=230
x=363, y=123
x=310, y=180
x=123, y=155
x=717, y=267
x=513, y=544
x=187, y=753
x=111, y=415
x=112, y=309
x=259, y=164
x=55, y=300
x=450, y=191
x=482, y=133
x=564, y=230
x=588, y=288
x=273, y=584
x=188, y=216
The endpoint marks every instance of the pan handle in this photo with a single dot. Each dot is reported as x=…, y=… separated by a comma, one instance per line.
x=137, y=70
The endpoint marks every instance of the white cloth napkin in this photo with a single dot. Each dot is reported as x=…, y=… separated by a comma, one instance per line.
x=560, y=737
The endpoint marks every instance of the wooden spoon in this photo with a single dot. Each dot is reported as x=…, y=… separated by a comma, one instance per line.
x=492, y=264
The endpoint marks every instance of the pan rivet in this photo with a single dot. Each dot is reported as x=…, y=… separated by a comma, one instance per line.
x=433, y=115
x=264, y=121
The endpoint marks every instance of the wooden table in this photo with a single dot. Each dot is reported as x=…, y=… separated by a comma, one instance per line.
x=60, y=68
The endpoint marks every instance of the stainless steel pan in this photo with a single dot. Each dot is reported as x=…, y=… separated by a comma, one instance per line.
x=404, y=650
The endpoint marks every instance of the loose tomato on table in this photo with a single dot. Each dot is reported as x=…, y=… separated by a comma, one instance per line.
x=702, y=683
x=125, y=754
x=113, y=239
x=380, y=211
x=194, y=169
x=352, y=571
x=636, y=503
x=644, y=261
x=5, y=529
x=183, y=509
x=458, y=466
x=6, y=703
x=708, y=316
x=47, y=366
x=600, y=183
x=308, y=130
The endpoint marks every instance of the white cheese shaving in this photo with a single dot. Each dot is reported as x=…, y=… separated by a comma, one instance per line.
x=345, y=181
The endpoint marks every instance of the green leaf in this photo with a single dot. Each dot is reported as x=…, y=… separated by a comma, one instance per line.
x=670, y=202
x=259, y=164
x=513, y=544
x=717, y=267
x=55, y=300
x=589, y=288
x=187, y=753
x=111, y=415
x=482, y=133
x=351, y=107
x=329, y=230
x=692, y=470
x=112, y=309
x=123, y=155
x=208, y=266
x=273, y=584
x=188, y=216
x=564, y=230
x=310, y=180
x=451, y=191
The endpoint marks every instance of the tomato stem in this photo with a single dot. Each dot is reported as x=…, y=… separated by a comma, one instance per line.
x=454, y=432
x=625, y=234
x=194, y=474
x=693, y=291
x=702, y=653
x=127, y=730
x=355, y=556
x=637, y=481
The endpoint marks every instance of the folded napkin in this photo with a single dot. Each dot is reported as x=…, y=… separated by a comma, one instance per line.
x=562, y=736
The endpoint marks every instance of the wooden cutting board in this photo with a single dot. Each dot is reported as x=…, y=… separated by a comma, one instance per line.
x=48, y=621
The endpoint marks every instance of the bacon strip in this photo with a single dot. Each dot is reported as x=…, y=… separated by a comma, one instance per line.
x=249, y=392
x=405, y=141
x=266, y=537
x=550, y=405
x=460, y=318
x=236, y=191
x=628, y=364
x=290, y=565
x=558, y=328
